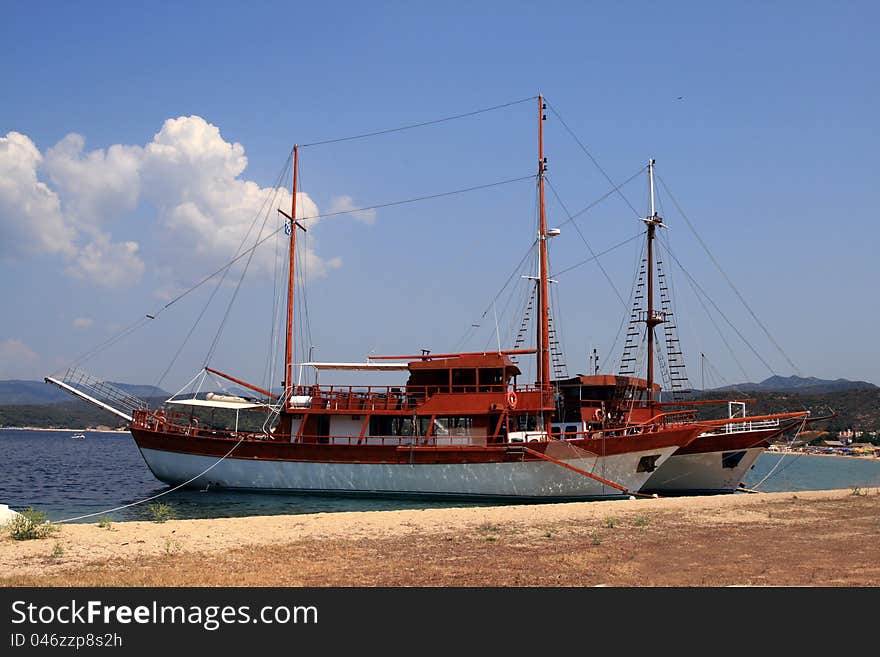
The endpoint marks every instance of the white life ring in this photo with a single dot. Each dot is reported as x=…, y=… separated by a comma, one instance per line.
x=599, y=415
x=511, y=399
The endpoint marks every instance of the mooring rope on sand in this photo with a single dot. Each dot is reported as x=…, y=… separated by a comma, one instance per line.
x=158, y=495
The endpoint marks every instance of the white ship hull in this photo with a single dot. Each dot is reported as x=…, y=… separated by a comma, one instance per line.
x=524, y=480
x=701, y=473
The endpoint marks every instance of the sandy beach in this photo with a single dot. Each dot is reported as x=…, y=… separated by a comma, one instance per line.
x=816, y=538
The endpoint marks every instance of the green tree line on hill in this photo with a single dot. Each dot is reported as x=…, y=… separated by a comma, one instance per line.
x=63, y=415
x=858, y=408
x=78, y=414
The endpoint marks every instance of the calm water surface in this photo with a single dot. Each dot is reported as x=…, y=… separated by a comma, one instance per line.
x=51, y=471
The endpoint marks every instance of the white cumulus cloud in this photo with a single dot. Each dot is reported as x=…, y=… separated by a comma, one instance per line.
x=191, y=174
x=111, y=264
x=30, y=212
x=33, y=218
x=191, y=177
x=97, y=186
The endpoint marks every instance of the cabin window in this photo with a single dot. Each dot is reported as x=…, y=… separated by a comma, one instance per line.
x=647, y=463
x=464, y=380
x=571, y=428
x=403, y=426
x=386, y=425
x=323, y=428
x=452, y=426
x=526, y=422
x=380, y=425
x=731, y=459
x=491, y=379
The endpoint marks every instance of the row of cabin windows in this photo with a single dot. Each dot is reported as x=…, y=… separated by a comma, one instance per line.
x=468, y=377
x=383, y=425
x=461, y=379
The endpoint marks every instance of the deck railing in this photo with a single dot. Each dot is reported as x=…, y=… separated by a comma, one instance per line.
x=738, y=427
x=103, y=391
x=382, y=398
x=182, y=424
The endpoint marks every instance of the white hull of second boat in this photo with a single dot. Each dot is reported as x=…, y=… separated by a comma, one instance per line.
x=523, y=480
x=702, y=473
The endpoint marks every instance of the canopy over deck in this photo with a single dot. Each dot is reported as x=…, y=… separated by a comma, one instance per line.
x=361, y=367
x=230, y=403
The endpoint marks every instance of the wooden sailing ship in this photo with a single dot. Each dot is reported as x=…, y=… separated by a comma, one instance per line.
x=459, y=425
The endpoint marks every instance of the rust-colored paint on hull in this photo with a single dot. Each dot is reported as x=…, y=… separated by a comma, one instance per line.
x=277, y=450
x=730, y=442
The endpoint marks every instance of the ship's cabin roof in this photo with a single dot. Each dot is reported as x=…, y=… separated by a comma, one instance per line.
x=606, y=381
x=463, y=373
x=466, y=361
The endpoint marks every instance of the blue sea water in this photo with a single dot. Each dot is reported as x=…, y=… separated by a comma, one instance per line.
x=794, y=472
x=51, y=471
x=65, y=477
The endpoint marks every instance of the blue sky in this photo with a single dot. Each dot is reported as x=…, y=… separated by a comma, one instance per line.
x=140, y=141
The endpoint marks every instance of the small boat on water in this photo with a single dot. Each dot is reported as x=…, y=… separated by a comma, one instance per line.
x=79, y=436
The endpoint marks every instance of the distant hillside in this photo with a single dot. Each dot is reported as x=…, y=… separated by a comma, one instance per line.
x=40, y=392
x=79, y=414
x=43, y=405
x=145, y=392
x=855, y=408
x=30, y=392
x=804, y=385
x=76, y=414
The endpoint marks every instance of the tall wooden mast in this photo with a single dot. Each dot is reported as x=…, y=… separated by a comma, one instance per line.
x=652, y=317
x=291, y=282
x=544, y=297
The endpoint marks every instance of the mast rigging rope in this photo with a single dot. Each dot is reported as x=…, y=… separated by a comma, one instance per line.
x=417, y=125
x=592, y=159
x=727, y=278
x=158, y=495
x=586, y=243
x=611, y=191
x=718, y=310
x=772, y=471
x=599, y=255
x=663, y=241
x=418, y=198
